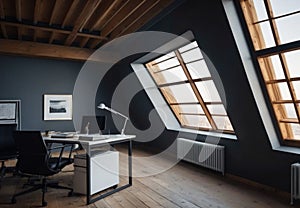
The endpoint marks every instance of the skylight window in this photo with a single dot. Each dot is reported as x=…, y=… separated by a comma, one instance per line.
x=274, y=29
x=185, y=82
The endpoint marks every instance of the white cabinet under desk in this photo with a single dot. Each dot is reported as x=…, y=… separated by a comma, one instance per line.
x=104, y=171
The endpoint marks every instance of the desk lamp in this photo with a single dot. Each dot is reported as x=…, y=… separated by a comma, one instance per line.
x=102, y=106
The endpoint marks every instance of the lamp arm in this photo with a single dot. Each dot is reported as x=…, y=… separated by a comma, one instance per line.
x=123, y=129
x=116, y=112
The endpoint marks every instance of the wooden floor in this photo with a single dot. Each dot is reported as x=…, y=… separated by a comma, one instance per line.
x=182, y=186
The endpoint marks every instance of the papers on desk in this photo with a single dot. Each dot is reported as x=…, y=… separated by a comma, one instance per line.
x=93, y=137
x=62, y=135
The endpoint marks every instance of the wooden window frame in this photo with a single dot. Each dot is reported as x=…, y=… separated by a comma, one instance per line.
x=261, y=55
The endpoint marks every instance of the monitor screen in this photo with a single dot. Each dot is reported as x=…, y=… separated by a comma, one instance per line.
x=92, y=124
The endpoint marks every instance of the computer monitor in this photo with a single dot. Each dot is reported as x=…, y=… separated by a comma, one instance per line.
x=92, y=124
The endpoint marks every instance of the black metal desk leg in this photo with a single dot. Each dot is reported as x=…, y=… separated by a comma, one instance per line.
x=88, y=179
x=130, y=162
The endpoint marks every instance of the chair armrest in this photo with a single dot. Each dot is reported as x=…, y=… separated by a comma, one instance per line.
x=62, y=150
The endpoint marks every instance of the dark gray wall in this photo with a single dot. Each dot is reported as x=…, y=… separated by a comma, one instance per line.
x=27, y=79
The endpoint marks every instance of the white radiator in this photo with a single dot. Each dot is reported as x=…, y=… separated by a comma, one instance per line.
x=295, y=182
x=207, y=155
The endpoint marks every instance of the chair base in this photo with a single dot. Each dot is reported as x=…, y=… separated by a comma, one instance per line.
x=4, y=169
x=43, y=186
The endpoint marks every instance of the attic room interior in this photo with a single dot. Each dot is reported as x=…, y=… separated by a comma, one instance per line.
x=149, y=103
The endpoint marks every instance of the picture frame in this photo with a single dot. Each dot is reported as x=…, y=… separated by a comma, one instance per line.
x=57, y=107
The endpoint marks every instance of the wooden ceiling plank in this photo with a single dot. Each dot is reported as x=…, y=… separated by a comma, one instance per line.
x=70, y=12
x=2, y=11
x=107, y=13
x=147, y=16
x=18, y=10
x=94, y=44
x=89, y=15
x=27, y=48
x=125, y=12
x=147, y=6
x=37, y=9
x=55, y=11
x=51, y=37
x=3, y=29
x=84, y=42
x=82, y=18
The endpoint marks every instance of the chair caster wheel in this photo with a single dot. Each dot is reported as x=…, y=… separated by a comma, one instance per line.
x=44, y=204
x=70, y=193
x=13, y=200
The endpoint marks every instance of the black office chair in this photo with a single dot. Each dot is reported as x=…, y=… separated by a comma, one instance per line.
x=7, y=148
x=35, y=159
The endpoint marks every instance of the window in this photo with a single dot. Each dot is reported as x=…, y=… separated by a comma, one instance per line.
x=183, y=78
x=275, y=34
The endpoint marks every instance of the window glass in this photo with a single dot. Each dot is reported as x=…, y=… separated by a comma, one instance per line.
x=292, y=59
x=182, y=93
x=188, y=88
x=208, y=91
x=197, y=121
x=280, y=7
x=288, y=28
x=198, y=69
x=192, y=55
x=170, y=76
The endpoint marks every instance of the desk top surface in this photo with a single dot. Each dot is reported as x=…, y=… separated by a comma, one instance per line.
x=100, y=139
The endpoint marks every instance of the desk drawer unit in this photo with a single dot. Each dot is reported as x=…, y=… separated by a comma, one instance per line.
x=104, y=169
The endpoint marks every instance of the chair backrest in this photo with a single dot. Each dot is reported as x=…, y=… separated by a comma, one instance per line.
x=32, y=153
x=7, y=143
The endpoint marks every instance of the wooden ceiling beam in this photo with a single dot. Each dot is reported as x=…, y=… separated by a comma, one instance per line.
x=125, y=12
x=50, y=29
x=26, y=48
x=147, y=6
x=86, y=13
x=84, y=42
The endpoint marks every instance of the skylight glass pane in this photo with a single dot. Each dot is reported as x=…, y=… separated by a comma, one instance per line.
x=216, y=109
x=182, y=93
x=169, y=55
x=260, y=10
x=196, y=121
x=277, y=67
x=288, y=28
x=208, y=91
x=223, y=122
x=189, y=46
x=281, y=7
x=167, y=64
x=170, y=76
x=296, y=130
x=267, y=35
x=290, y=110
x=192, y=55
x=292, y=59
x=191, y=109
x=198, y=69
x=296, y=85
x=284, y=91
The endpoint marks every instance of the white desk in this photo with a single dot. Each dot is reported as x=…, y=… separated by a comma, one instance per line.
x=88, y=147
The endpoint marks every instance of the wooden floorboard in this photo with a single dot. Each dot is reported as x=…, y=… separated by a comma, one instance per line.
x=181, y=186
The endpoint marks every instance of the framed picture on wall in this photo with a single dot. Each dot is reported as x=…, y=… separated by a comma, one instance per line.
x=57, y=107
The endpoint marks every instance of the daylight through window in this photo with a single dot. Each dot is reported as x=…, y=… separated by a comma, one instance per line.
x=275, y=32
x=184, y=80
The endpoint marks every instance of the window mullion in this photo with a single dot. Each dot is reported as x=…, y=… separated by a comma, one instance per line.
x=195, y=90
